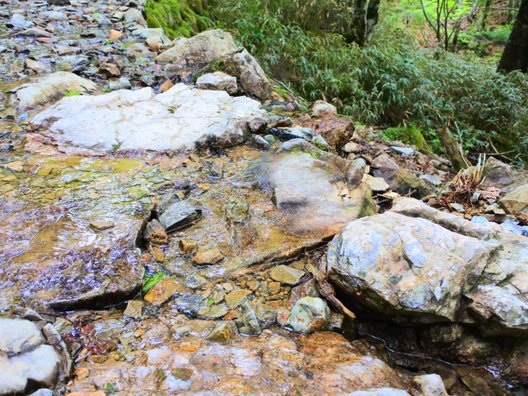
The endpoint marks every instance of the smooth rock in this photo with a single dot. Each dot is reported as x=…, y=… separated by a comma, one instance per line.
x=218, y=81
x=308, y=314
x=200, y=49
x=306, y=185
x=321, y=108
x=18, y=336
x=516, y=202
x=286, y=275
x=50, y=88
x=133, y=120
x=40, y=366
x=207, y=256
x=178, y=216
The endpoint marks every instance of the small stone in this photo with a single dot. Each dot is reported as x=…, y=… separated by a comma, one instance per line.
x=163, y=290
x=207, y=256
x=235, y=298
x=166, y=86
x=15, y=166
x=292, y=133
x=429, y=385
x=109, y=70
x=320, y=143
x=405, y=151
x=100, y=225
x=218, y=81
x=457, y=207
x=356, y=170
x=432, y=179
x=260, y=143
x=216, y=169
x=36, y=66
x=187, y=246
x=19, y=22
x=214, y=311
x=322, y=108
x=286, y=275
x=134, y=309
x=35, y=32
x=253, y=284
x=308, y=314
x=377, y=184
x=114, y=34
x=270, y=139
x=351, y=147
x=274, y=288
x=251, y=325
x=158, y=253
x=222, y=333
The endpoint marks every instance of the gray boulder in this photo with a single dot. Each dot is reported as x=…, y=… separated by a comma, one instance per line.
x=200, y=49
x=421, y=265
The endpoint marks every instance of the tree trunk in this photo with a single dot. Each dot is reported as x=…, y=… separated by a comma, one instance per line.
x=363, y=21
x=515, y=55
x=485, y=15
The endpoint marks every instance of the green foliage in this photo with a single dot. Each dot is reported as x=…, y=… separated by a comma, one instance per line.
x=178, y=18
x=411, y=135
x=151, y=280
x=499, y=35
x=390, y=83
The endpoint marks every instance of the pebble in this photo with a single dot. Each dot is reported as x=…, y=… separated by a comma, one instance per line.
x=286, y=275
x=207, y=256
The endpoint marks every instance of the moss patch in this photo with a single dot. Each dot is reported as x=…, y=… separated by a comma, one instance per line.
x=178, y=18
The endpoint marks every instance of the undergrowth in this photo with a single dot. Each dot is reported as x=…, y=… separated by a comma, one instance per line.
x=390, y=83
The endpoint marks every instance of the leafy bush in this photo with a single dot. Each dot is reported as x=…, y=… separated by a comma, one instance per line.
x=390, y=83
x=178, y=18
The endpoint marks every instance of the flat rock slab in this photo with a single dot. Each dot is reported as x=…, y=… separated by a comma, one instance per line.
x=141, y=120
x=268, y=209
x=52, y=255
x=418, y=264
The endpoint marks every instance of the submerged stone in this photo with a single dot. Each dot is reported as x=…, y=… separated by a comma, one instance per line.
x=178, y=216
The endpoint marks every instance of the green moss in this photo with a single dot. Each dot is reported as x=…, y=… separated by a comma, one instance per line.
x=368, y=206
x=409, y=135
x=178, y=18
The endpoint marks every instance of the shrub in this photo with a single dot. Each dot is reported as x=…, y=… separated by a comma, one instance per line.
x=391, y=83
x=178, y=18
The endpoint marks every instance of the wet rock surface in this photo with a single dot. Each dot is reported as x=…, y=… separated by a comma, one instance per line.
x=159, y=239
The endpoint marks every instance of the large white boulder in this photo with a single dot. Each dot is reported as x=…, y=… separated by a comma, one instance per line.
x=141, y=120
x=419, y=264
